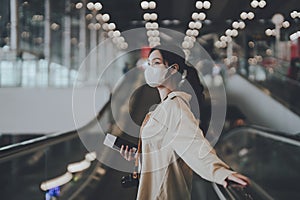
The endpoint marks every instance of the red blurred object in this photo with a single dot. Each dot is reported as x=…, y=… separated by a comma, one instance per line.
x=145, y=51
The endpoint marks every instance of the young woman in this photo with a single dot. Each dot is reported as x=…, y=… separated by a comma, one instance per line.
x=172, y=145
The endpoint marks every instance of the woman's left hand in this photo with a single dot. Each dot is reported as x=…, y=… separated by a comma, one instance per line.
x=238, y=178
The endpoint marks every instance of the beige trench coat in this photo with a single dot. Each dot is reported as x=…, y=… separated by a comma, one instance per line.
x=172, y=147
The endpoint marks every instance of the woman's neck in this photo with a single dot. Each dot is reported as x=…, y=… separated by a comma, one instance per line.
x=163, y=92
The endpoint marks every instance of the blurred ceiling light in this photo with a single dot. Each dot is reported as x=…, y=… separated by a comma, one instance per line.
x=191, y=25
x=223, y=44
x=89, y=16
x=124, y=45
x=229, y=39
x=295, y=14
x=295, y=36
x=105, y=26
x=228, y=32
x=91, y=26
x=199, y=5
x=54, y=26
x=234, y=33
x=117, y=33
x=195, y=16
x=148, y=25
x=146, y=16
x=254, y=4
x=134, y=22
x=154, y=25
x=235, y=25
x=121, y=39
x=55, y=182
x=110, y=34
x=187, y=38
x=98, y=6
x=250, y=15
x=149, y=33
x=242, y=25
x=268, y=32
x=144, y=5
x=176, y=21
x=166, y=22
x=105, y=17
x=111, y=26
x=198, y=25
x=286, y=24
x=218, y=44
x=223, y=38
x=99, y=17
x=97, y=26
x=244, y=15
x=269, y=52
x=152, y=5
x=251, y=44
x=189, y=32
x=201, y=16
x=206, y=4
x=207, y=21
x=195, y=33
x=155, y=33
x=78, y=166
x=90, y=6
x=262, y=4
x=153, y=16
x=78, y=5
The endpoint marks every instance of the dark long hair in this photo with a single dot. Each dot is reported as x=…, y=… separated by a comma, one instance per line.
x=172, y=54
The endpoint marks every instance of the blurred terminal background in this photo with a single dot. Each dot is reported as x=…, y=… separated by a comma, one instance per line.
x=69, y=68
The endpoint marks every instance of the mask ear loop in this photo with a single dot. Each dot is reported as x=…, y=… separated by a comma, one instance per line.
x=183, y=78
x=166, y=77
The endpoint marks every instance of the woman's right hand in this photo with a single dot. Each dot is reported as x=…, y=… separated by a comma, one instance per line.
x=128, y=154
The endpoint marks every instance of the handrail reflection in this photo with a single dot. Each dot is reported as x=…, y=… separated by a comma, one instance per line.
x=268, y=133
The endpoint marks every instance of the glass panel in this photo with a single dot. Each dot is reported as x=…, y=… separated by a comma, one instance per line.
x=280, y=77
x=21, y=176
x=273, y=164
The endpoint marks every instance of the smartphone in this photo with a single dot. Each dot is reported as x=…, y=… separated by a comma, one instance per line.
x=115, y=142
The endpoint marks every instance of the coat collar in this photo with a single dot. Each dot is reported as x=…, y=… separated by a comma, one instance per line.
x=187, y=97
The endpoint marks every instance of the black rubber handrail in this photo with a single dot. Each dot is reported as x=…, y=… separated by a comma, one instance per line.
x=236, y=191
x=28, y=146
x=267, y=132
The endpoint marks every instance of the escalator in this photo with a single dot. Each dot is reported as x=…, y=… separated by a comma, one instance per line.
x=26, y=165
x=269, y=157
x=29, y=168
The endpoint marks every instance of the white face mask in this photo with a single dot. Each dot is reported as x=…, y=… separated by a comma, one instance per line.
x=155, y=76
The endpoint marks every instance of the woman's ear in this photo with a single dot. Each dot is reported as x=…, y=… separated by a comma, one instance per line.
x=175, y=68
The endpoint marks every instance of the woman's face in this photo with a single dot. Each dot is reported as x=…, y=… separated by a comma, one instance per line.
x=155, y=59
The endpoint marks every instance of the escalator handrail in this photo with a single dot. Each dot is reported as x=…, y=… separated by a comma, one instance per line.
x=238, y=192
x=266, y=132
x=28, y=146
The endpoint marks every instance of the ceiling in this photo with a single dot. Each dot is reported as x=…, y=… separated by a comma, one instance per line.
x=127, y=14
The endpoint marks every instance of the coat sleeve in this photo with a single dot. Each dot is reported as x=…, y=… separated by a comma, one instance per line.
x=190, y=144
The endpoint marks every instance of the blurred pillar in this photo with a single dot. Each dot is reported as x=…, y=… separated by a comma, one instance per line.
x=47, y=32
x=82, y=34
x=229, y=51
x=93, y=44
x=67, y=38
x=277, y=19
x=14, y=20
x=101, y=51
